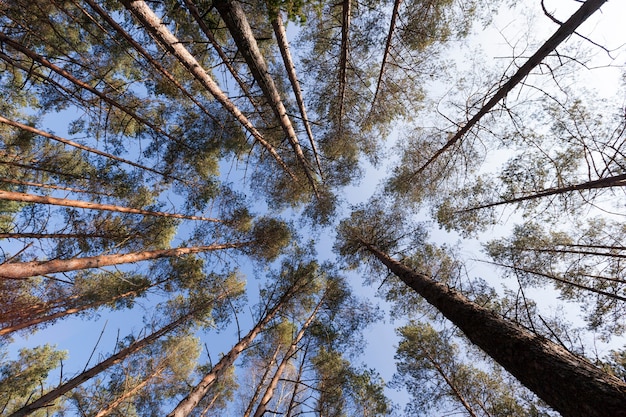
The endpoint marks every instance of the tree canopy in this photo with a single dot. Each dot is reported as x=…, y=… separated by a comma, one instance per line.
x=201, y=190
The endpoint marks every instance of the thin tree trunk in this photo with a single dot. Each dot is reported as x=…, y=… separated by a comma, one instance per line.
x=562, y=33
x=283, y=46
x=609, y=182
x=130, y=393
x=83, y=147
x=451, y=384
x=58, y=392
x=392, y=28
x=83, y=85
x=239, y=28
x=52, y=187
x=296, y=384
x=563, y=281
x=568, y=383
x=346, y=13
x=187, y=405
x=257, y=391
x=22, y=270
x=68, y=311
x=64, y=202
x=269, y=392
x=164, y=37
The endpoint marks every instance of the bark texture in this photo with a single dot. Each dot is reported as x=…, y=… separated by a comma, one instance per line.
x=568, y=383
x=22, y=270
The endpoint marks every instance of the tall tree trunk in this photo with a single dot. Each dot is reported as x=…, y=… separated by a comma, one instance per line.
x=64, y=388
x=257, y=392
x=239, y=28
x=608, y=182
x=296, y=384
x=283, y=45
x=269, y=392
x=392, y=27
x=346, y=13
x=52, y=187
x=22, y=270
x=131, y=392
x=568, y=383
x=65, y=202
x=33, y=321
x=164, y=37
x=562, y=33
x=187, y=405
x=195, y=13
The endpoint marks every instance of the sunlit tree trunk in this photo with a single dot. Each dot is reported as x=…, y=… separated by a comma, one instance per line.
x=283, y=44
x=22, y=270
x=568, y=383
x=161, y=33
x=187, y=405
x=269, y=392
x=239, y=28
x=65, y=202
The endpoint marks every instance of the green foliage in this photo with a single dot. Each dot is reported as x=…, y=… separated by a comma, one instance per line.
x=269, y=237
x=24, y=377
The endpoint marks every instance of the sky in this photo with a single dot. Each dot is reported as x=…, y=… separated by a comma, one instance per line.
x=81, y=337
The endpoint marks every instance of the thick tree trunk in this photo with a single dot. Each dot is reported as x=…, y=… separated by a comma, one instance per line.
x=195, y=13
x=569, y=384
x=239, y=28
x=566, y=30
x=163, y=36
x=65, y=202
x=22, y=270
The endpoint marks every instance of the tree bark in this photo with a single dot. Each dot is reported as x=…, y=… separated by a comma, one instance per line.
x=609, y=182
x=283, y=45
x=566, y=29
x=65, y=202
x=22, y=270
x=269, y=392
x=163, y=36
x=239, y=28
x=187, y=405
x=568, y=383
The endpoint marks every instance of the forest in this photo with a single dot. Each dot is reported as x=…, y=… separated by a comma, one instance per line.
x=312, y=208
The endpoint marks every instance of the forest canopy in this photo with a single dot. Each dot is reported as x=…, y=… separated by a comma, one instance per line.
x=294, y=208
